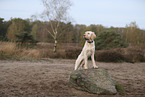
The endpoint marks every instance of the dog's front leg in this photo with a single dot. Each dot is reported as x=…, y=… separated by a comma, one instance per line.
x=78, y=61
x=86, y=62
x=93, y=61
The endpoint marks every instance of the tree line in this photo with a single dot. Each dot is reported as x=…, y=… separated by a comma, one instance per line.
x=68, y=33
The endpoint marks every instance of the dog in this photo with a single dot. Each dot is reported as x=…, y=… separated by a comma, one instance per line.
x=87, y=51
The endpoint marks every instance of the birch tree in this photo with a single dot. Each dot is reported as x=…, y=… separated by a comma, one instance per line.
x=55, y=12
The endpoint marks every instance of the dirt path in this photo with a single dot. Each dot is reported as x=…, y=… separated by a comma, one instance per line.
x=49, y=78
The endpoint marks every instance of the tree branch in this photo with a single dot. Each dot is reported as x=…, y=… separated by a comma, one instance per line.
x=52, y=27
x=48, y=30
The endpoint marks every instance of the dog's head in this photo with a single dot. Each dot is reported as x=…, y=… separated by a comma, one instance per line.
x=89, y=35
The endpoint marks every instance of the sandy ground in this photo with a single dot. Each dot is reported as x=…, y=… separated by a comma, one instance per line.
x=49, y=78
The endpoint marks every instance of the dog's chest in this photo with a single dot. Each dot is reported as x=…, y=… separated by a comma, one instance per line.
x=89, y=52
x=88, y=49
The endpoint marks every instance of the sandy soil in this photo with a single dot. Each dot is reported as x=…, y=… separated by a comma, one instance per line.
x=49, y=78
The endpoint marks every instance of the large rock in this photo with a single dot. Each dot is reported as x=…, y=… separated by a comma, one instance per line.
x=96, y=81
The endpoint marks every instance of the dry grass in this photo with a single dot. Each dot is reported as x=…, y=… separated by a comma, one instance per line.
x=9, y=50
x=7, y=47
x=30, y=53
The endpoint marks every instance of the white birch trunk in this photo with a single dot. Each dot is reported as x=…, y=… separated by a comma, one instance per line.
x=55, y=45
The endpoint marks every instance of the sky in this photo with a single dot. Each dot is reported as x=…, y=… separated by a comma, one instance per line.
x=116, y=13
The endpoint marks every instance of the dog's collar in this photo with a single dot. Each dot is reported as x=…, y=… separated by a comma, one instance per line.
x=90, y=41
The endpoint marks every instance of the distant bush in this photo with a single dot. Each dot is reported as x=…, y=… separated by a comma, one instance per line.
x=109, y=56
x=72, y=53
x=109, y=39
x=9, y=50
x=133, y=54
x=64, y=51
x=112, y=55
x=121, y=54
x=25, y=39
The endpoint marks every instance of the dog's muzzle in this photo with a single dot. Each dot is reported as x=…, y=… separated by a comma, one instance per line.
x=84, y=36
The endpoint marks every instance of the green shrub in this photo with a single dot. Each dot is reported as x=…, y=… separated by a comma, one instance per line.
x=120, y=89
x=109, y=39
x=25, y=39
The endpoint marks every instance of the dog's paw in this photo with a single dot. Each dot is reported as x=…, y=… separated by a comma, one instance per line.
x=96, y=67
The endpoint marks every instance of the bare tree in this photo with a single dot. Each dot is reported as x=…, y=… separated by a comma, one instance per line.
x=55, y=12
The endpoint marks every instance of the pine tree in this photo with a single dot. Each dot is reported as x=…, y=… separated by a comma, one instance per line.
x=109, y=39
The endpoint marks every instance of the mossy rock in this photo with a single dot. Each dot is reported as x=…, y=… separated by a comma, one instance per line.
x=96, y=81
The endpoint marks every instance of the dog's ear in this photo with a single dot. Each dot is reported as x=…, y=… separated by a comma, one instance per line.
x=93, y=36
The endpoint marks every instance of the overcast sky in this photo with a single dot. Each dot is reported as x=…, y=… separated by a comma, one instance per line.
x=115, y=13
